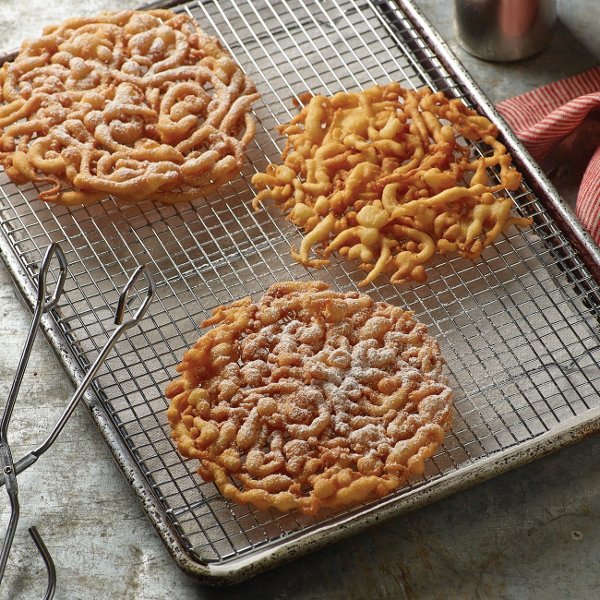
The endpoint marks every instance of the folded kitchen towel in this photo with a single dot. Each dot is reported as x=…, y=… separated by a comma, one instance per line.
x=542, y=117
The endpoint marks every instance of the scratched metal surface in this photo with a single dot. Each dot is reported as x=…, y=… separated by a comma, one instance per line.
x=531, y=533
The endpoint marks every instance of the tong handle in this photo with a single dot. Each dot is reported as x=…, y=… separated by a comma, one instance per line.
x=10, y=469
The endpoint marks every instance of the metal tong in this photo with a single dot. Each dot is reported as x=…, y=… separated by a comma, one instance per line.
x=10, y=469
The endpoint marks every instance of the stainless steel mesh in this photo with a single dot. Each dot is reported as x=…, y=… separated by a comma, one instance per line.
x=518, y=328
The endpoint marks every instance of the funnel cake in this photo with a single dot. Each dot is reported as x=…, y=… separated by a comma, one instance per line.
x=140, y=105
x=310, y=398
x=389, y=177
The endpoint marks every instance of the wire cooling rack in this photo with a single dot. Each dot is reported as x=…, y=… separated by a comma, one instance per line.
x=519, y=327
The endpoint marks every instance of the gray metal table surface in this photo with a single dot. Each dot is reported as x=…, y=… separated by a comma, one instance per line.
x=532, y=533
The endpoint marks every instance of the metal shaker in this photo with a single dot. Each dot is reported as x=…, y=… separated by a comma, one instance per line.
x=504, y=30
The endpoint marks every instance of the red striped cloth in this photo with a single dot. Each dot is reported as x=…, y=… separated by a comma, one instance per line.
x=542, y=117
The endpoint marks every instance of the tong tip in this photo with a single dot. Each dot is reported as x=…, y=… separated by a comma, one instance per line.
x=122, y=303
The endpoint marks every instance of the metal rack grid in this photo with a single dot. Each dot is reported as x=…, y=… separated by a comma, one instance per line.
x=518, y=328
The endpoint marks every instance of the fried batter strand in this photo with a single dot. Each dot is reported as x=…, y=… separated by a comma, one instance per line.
x=140, y=105
x=381, y=176
x=310, y=398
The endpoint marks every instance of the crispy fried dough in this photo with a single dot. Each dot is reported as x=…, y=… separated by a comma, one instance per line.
x=381, y=176
x=310, y=398
x=140, y=105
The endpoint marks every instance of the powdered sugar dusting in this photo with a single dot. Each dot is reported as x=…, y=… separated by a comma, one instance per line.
x=319, y=399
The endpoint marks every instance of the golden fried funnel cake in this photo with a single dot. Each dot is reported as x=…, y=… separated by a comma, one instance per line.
x=140, y=105
x=310, y=398
x=385, y=176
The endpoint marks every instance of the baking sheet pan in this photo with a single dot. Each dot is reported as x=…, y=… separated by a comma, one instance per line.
x=518, y=328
